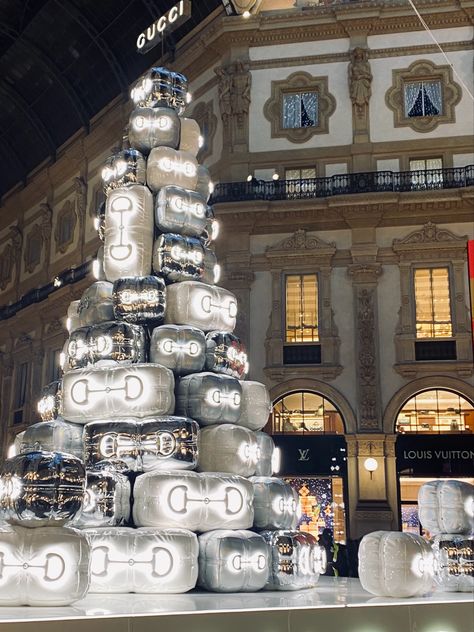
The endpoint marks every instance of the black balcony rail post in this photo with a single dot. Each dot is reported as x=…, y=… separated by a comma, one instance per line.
x=344, y=184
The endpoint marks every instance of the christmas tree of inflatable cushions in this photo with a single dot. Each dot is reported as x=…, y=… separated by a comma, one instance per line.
x=149, y=472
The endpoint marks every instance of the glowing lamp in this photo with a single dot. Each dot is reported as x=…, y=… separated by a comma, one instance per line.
x=226, y=354
x=446, y=506
x=106, y=499
x=153, y=127
x=371, y=465
x=136, y=390
x=156, y=443
x=143, y=560
x=178, y=347
x=181, y=211
x=43, y=567
x=256, y=405
x=139, y=299
x=161, y=87
x=233, y=561
x=228, y=448
x=40, y=489
x=209, y=398
x=191, y=138
x=296, y=560
x=128, y=241
x=454, y=562
x=55, y=435
x=198, y=502
x=394, y=564
x=168, y=166
x=122, y=169
x=179, y=258
x=96, y=304
x=276, y=504
x=199, y=305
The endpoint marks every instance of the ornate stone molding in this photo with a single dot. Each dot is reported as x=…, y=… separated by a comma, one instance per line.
x=33, y=248
x=65, y=226
x=234, y=84
x=10, y=257
x=300, y=244
x=296, y=83
x=364, y=272
x=430, y=242
x=423, y=70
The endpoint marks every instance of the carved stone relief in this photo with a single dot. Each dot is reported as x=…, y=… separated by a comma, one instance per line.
x=360, y=89
x=234, y=83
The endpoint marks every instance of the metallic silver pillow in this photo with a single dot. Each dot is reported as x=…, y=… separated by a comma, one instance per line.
x=204, y=306
x=50, y=403
x=161, y=87
x=139, y=299
x=233, y=561
x=167, y=166
x=228, y=448
x=266, y=465
x=191, y=138
x=276, y=504
x=208, y=398
x=161, y=443
x=179, y=258
x=297, y=560
x=454, y=562
x=143, y=560
x=122, y=169
x=256, y=405
x=43, y=567
x=96, y=304
x=178, y=347
x=153, y=127
x=106, y=499
x=178, y=210
x=56, y=435
x=226, y=354
x=41, y=488
x=111, y=392
x=199, y=502
x=128, y=240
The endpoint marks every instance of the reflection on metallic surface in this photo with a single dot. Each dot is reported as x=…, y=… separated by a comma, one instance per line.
x=55, y=435
x=166, y=166
x=106, y=499
x=153, y=127
x=209, y=398
x=139, y=299
x=226, y=354
x=137, y=390
x=276, y=503
x=161, y=443
x=43, y=567
x=50, y=403
x=124, y=168
x=179, y=258
x=113, y=340
x=178, y=347
x=179, y=210
x=256, y=405
x=143, y=560
x=297, y=560
x=393, y=564
x=265, y=463
x=96, y=304
x=446, y=506
x=228, y=448
x=454, y=562
x=199, y=502
x=233, y=561
x=41, y=488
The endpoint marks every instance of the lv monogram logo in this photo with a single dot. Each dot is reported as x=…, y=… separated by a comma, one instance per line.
x=304, y=455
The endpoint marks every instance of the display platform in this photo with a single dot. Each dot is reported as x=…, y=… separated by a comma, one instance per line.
x=335, y=605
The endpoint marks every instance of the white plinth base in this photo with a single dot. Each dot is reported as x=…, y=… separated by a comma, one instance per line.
x=335, y=605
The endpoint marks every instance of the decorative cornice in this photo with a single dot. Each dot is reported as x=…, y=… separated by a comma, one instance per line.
x=301, y=241
x=412, y=370
x=430, y=233
x=284, y=373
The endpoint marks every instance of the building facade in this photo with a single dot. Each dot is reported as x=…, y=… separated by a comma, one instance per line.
x=340, y=137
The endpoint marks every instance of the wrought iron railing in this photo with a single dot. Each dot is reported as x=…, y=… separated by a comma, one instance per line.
x=345, y=184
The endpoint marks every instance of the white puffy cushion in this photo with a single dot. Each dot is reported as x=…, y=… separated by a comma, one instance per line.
x=48, y=566
x=446, y=506
x=199, y=502
x=255, y=405
x=227, y=448
x=143, y=560
x=394, y=564
x=276, y=504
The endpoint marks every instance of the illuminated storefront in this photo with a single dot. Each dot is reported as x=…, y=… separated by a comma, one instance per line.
x=309, y=430
x=436, y=441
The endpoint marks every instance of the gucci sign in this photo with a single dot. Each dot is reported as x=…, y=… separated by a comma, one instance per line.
x=177, y=15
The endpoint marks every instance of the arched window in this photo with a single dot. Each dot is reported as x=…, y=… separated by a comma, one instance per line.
x=306, y=412
x=436, y=412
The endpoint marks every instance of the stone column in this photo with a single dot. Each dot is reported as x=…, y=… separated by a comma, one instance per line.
x=6, y=365
x=364, y=279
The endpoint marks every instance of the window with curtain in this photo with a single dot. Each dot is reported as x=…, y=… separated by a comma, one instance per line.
x=426, y=171
x=301, y=308
x=432, y=303
x=300, y=109
x=423, y=98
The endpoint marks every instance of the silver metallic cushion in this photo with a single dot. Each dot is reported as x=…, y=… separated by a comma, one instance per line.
x=446, y=506
x=179, y=347
x=208, y=398
x=228, y=448
x=276, y=503
x=153, y=127
x=256, y=405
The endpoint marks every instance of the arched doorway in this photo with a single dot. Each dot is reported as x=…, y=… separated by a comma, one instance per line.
x=435, y=428
x=309, y=429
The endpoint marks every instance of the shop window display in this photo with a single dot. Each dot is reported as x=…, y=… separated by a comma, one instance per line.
x=436, y=412
x=306, y=412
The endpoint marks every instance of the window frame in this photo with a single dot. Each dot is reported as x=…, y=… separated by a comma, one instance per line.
x=284, y=310
x=423, y=80
x=285, y=93
x=434, y=266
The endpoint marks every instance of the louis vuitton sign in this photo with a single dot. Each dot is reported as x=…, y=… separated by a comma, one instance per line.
x=151, y=36
x=311, y=454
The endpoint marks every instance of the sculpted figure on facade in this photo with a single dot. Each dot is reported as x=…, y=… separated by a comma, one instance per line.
x=234, y=100
x=360, y=79
x=241, y=84
x=225, y=94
